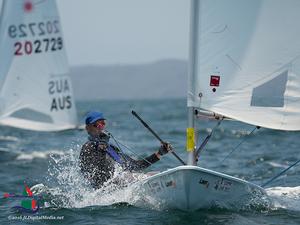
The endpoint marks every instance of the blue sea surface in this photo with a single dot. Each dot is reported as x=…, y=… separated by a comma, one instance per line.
x=49, y=161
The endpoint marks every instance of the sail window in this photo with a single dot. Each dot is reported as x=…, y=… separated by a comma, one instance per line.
x=271, y=93
x=33, y=115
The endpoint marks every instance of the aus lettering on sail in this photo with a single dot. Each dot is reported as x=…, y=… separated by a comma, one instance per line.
x=61, y=94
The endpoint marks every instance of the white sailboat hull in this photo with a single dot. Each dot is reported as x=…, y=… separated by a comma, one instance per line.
x=192, y=188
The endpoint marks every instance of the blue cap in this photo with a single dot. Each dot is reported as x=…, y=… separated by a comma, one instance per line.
x=93, y=116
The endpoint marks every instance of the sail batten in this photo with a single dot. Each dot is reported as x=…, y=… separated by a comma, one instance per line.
x=248, y=64
x=35, y=86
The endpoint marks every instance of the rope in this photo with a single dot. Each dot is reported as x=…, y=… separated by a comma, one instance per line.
x=238, y=145
x=118, y=143
x=278, y=175
x=203, y=144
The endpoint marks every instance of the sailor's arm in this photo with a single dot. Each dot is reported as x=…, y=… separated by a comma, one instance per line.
x=153, y=158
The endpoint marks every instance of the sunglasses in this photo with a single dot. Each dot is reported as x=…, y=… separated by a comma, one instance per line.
x=99, y=124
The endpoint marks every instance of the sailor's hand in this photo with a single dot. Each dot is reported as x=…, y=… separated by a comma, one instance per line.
x=165, y=148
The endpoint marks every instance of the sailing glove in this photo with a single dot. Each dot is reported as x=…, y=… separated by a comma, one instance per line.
x=165, y=148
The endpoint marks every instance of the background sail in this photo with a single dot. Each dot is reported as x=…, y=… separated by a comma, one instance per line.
x=35, y=87
x=247, y=61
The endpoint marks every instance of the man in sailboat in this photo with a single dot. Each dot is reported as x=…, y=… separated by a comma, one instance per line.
x=98, y=156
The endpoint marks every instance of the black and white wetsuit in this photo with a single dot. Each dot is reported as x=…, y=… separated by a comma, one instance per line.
x=98, y=165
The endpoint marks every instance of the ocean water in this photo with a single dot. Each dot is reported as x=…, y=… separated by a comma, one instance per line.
x=49, y=162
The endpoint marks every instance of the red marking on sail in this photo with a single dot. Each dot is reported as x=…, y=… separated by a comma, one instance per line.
x=29, y=192
x=28, y=6
x=214, y=81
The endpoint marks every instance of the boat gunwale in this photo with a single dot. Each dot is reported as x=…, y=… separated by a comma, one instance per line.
x=201, y=169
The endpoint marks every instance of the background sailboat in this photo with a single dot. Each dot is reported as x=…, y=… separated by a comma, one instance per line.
x=35, y=87
x=244, y=65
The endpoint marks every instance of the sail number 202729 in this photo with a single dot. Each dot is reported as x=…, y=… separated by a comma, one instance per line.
x=33, y=29
x=41, y=32
x=38, y=46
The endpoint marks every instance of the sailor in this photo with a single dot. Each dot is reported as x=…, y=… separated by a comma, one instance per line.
x=98, y=156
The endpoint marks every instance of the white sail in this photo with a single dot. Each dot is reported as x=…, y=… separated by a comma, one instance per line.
x=247, y=61
x=35, y=87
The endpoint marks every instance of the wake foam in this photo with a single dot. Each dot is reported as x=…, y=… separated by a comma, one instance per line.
x=9, y=138
x=67, y=187
x=37, y=154
x=285, y=197
x=277, y=165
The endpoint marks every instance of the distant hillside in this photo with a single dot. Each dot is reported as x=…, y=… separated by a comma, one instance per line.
x=162, y=79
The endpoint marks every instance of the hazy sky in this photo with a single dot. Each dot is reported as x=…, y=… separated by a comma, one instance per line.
x=124, y=31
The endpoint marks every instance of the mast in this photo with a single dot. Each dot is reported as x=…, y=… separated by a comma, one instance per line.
x=192, y=71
